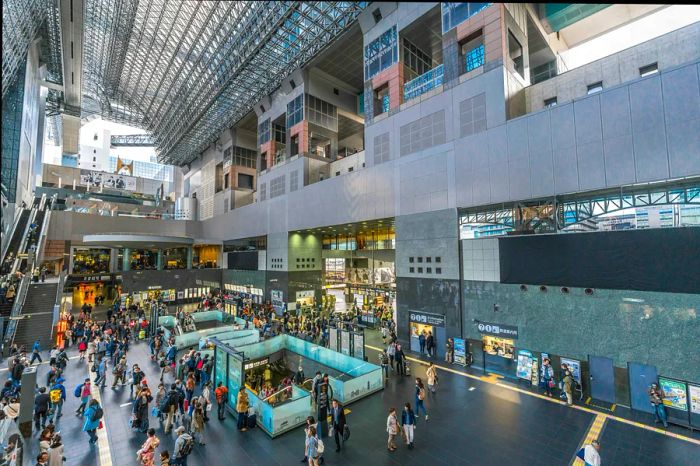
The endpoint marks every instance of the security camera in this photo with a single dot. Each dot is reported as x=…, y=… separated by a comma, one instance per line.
x=495, y=308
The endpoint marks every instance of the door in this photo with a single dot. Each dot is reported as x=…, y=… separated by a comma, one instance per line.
x=602, y=378
x=641, y=376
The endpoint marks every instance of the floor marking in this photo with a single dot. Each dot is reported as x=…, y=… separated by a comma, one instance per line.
x=102, y=436
x=125, y=404
x=39, y=364
x=592, y=434
x=554, y=400
x=491, y=378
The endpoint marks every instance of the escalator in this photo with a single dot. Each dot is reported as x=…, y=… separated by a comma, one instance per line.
x=18, y=234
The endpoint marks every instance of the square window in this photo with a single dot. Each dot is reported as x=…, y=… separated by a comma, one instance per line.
x=428, y=270
x=420, y=269
x=428, y=259
x=648, y=70
x=411, y=269
x=438, y=270
x=297, y=259
x=551, y=102
x=437, y=259
x=410, y=259
x=595, y=87
x=420, y=260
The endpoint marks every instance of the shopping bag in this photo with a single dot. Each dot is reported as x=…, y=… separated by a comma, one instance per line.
x=208, y=406
x=101, y=426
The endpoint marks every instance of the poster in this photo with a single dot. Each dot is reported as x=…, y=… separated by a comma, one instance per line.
x=535, y=380
x=95, y=179
x=675, y=393
x=575, y=368
x=333, y=338
x=524, y=370
x=180, y=295
x=694, y=398
x=460, y=354
x=358, y=341
x=345, y=342
x=277, y=298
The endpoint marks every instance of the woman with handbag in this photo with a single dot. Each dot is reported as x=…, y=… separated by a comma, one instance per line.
x=547, y=377
x=392, y=428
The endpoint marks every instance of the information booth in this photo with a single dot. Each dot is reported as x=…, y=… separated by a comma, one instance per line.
x=426, y=323
x=498, y=344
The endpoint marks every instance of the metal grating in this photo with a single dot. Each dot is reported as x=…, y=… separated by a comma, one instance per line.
x=21, y=21
x=187, y=70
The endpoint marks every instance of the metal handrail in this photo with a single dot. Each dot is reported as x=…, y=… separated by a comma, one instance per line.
x=277, y=392
x=59, y=297
x=41, y=240
x=16, y=311
x=11, y=233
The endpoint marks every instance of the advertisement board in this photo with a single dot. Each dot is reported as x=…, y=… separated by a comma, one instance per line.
x=345, y=342
x=575, y=368
x=524, y=369
x=333, y=338
x=675, y=393
x=95, y=179
x=358, y=348
x=694, y=398
x=460, y=351
x=277, y=298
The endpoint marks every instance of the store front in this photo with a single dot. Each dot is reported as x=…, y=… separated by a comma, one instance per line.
x=175, y=258
x=244, y=296
x=205, y=256
x=498, y=345
x=426, y=324
x=144, y=259
x=86, y=261
x=93, y=290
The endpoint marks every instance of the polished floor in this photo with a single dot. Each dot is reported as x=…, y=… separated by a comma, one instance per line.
x=472, y=422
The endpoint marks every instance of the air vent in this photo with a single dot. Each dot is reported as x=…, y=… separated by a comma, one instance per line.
x=523, y=288
x=588, y=291
x=564, y=290
x=543, y=288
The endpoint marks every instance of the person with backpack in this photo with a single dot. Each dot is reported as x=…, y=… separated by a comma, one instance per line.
x=93, y=414
x=41, y=408
x=408, y=423
x=431, y=373
x=183, y=447
x=221, y=394
x=82, y=391
x=384, y=362
x=420, y=397
x=168, y=407
x=57, y=395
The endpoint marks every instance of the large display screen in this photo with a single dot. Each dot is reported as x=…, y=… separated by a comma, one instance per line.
x=675, y=393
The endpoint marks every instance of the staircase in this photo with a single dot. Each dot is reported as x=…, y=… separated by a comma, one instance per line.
x=37, y=316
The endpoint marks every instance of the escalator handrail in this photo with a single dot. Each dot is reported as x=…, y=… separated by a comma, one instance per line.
x=16, y=311
x=15, y=224
x=41, y=240
x=59, y=297
x=25, y=238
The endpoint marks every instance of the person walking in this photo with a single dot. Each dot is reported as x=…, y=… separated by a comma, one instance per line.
x=101, y=379
x=408, y=423
x=198, y=421
x=147, y=453
x=338, y=423
x=206, y=399
x=567, y=386
x=92, y=416
x=221, y=394
x=420, y=398
x=384, y=362
x=400, y=362
x=242, y=409
x=160, y=399
x=41, y=408
x=57, y=396
x=392, y=428
x=183, y=447
x=547, y=377
x=391, y=352
x=656, y=398
x=311, y=446
x=168, y=407
x=589, y=454
x=56, y=457
x=119, y=372
x=431, y=374
x=136, y=377
x=83, y=390
x=36, y=349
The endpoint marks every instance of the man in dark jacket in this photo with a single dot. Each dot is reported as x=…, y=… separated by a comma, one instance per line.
x=41, y=408
x=338, y=420
x=399, y=358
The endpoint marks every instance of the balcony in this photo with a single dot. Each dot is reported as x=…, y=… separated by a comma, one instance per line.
x=423, y=83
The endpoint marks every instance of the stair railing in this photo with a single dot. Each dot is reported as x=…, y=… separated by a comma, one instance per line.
x=59, y=299
x=11, y=233
x=41, y=240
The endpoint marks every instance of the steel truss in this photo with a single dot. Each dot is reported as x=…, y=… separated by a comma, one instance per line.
x=132, y=140
x=186, y=70
x=584, y=207
x=21, y=21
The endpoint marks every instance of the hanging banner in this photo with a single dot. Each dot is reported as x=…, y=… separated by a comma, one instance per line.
x=524, y=370
x=675, y=393
x=575, y=368
x=333, y=338
x=345, y=342
x=277, y=298
x=460, y=352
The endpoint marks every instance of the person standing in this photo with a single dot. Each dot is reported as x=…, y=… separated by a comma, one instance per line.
x=392, y=428
x=391, y=352
x=430, y=344
x=198, y=421
x=147, y=452
x=119, y=372
x=56, y=452
x=136, y=378
x=420, y=398
x=57, y=396
x=41, y=408
x=547, y=377
x=567, y=385
x=384, y=362
x=221, y=394
x=311, y=446
x=92, y=416
x=400, y=362
x=408, y=423
x=84, y=392
x=242, y=409
x=169, y=407
x=431, y=373
x=206, y=399
x=183, y=447
x=421, y=342
x=338, y=422
x=656, y=397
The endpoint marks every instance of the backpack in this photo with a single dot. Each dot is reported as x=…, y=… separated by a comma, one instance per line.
x=421, y=394
x=97, y=415
x=78, y=390
x=186, y=448
x=320, y=447
x=55, y=395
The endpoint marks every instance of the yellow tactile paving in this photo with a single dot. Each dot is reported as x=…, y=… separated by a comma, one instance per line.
x=554, y=400
x=105, y=454
x=592, y=434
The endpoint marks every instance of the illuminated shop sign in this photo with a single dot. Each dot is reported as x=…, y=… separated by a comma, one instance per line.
x=498, y=330
x=436, y=320
x=254, y=364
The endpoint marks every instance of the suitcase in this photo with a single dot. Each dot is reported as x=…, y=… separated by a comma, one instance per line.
x=252, y=421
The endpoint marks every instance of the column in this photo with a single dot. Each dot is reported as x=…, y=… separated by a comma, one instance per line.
x=190, y=254
x=126, y=260
x=160, y=259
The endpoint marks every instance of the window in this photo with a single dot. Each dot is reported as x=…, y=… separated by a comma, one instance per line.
x=420, y=260
x=472, y=115
x=292, y=83
x=551, y=102
x=428, y=270
x=423, y=133
x=321, y=113
x=337, y=173
x=648, y=70
x=243, y=157
x=411, y=270
x=420, y=269
x=381, y=100
x=381, y=53
x=277, y=186
x=438, y=270
x=428, y=259
x=351, y=169
x=226, y=183
x=410, y=259
x=595, y=87
x=295, y=110
x=294, y=181
x=515, y=52
x=263, y=132
x=245, y=181
x=472, y=49
x=454, y=13
x=438, y=259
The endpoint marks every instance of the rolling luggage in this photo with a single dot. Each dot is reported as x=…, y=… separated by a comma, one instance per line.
x=252, y=421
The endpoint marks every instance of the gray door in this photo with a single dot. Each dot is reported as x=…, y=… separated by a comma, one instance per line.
x=602, y=376
x=641, y=376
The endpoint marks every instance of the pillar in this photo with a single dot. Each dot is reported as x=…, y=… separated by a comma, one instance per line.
x=160, y=259
x=26, y=401
x=126, y=260
x=190, y=254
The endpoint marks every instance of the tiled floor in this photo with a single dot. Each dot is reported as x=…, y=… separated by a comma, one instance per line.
x=486, y=425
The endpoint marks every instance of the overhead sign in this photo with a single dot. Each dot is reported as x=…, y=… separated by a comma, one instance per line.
x=258, y=363
x=498, y=330
x=436, y=320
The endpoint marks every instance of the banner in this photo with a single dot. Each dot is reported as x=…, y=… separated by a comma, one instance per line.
x=95, y=179
x=460, y=351
x=345, y=342
x=277, y=298
x=498, y=330
x=358, y=345
x=675, y=393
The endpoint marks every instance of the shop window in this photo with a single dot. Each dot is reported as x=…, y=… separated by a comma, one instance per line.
x=595, y=88
x=411, y=270
x=648, y=70
x=551, y=102
x=438, y=270
x=515, y=52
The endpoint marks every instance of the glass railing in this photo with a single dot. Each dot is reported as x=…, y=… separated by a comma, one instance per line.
x=423, y=83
